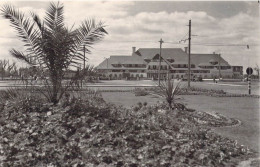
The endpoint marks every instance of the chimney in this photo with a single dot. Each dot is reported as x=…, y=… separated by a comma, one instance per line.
x=186, y=49
x=134, y=49
x=213, y=53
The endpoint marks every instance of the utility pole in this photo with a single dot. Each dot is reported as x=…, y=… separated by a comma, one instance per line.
x=189, y=54
x=219, y=75
x=84, y=58
x=159, y=74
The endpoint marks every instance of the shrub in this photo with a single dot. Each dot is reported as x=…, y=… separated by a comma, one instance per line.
x=145, y=104
x=169, y=91
x=140, y=92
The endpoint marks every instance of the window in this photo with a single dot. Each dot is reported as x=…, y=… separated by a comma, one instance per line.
x=142, y=76
x=116, y=70
x=154, y=67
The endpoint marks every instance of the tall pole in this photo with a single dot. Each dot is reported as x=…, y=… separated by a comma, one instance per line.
x=249, y=84
x=189, y=54
x=84, y=58
x=219, y=75
x=159, y=73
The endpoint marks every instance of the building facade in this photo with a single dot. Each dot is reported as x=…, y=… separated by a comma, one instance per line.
x=144, y=63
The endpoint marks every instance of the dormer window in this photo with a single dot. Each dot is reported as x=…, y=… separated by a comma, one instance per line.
x=213, y=62
x=117, y=64
x=171, y=60
x=147, y=60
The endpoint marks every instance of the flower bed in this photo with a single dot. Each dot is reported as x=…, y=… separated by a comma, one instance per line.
x=199, y=117
x=80, y=132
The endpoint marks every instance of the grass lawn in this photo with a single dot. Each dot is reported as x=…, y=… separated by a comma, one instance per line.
x=245, y=109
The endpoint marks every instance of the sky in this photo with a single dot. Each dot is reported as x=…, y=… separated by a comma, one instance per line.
x=232, y=25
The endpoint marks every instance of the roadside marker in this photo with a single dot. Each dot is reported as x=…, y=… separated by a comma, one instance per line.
x=249, y=84
x=249, y=71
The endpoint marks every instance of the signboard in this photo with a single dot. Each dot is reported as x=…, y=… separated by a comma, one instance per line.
x=249, y=71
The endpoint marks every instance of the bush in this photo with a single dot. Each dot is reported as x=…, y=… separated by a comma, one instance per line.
x=145, y=104
x=140, y=92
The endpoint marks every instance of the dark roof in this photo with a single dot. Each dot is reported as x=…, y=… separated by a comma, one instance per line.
x=205, y=64
x=107, y=63
x=176, y=53
x=179, y=56
x=207, y=58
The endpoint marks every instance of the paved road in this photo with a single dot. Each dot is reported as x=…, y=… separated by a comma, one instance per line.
x=231, y=87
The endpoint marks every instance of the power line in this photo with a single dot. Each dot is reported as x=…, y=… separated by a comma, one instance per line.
x=177, y=43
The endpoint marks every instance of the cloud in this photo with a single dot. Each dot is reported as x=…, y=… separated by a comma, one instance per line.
x=125, y=30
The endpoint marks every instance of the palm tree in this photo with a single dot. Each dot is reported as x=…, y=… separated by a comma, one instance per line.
x=51, y=43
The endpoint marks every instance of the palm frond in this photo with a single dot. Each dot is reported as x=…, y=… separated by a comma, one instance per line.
x=38, y=21
x=22, y=25
x=19, y=55
x=88, y=34
x=54, y=16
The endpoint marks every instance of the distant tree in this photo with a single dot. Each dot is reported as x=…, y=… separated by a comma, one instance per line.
x=256, y=68
x=51, y=43
x=3, y=67
x=11, y=67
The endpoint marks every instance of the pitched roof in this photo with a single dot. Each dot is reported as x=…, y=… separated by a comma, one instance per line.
x=120, y=60
x=176, y=53
x=179, y=56
x=207, y=58
x=205, y=64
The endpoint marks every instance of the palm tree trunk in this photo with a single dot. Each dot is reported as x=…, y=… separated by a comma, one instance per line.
x=56, y=86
